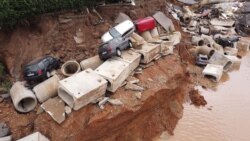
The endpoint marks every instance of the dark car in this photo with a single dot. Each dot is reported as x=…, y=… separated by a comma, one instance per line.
x=114, y=47
x=39, y=69
x=202, y=60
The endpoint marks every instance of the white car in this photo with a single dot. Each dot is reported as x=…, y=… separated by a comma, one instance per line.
x=124, y=29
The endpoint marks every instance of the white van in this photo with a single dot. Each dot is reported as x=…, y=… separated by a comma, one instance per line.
x=124, y=29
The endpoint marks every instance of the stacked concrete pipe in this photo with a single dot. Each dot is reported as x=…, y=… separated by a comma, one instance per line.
x=93, y=63
x=23, y=99
x=70, y=67
x=47, y=89
x=198, y=41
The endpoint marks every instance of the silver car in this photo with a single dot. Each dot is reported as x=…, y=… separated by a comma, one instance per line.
x=114, y=47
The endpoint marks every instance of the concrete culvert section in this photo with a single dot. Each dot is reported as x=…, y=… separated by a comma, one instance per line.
x=23, y=99
x=47, y=89
x=70, y=67
x=205, y=50
x=198, y=41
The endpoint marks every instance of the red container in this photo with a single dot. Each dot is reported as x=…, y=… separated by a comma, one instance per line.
x=145, y=24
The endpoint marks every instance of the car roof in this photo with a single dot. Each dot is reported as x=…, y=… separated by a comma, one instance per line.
x=37, y=60
x=124, y=26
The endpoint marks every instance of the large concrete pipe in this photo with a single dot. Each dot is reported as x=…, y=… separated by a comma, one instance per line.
x=205, y=2
x=204, y=30
x=23, y=99
x=205, y=50
x=146, y=35
x=47, y=89
x=70, y=67
x=197, y=41
x=155, y=34
x=93, y=63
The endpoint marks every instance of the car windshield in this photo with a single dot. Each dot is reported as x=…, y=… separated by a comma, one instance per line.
x=114, y=33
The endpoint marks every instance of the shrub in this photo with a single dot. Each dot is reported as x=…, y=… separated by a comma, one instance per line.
x=11, y=11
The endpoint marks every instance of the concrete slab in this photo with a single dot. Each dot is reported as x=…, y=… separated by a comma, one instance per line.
x=164, y=21
x=130, y=57
x=226, y=23
x=174, y=37
x=82, y=88
x=243, y=46
x=115, y=71
x=213, y=71
x=218, y=59
x=149, y=52
x=55, y=107
x=37, y=136
x=7, y=138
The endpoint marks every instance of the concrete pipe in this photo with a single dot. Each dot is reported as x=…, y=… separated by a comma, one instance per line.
x=146, y=35
x=204, y=30
x=70, y=67
x=154, y=32
x=23, y=99
x=47, y=89
x=197, y=41
x=205, y=50
x=186, y=18
x=138, y=39
x=93, y=63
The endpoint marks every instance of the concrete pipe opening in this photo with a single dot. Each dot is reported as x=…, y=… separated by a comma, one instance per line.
x=228, y=65
x=70, y=67
x=27, y=104
x=66, y=97
x=198, y=41
x=23, y=99
x=211, y=77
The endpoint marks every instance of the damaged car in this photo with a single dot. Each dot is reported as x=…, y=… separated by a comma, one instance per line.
x=39, y=69
x=124, y=29
x=114, y=47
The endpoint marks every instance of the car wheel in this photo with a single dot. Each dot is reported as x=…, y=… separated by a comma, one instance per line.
x=118, y=52
x=48, y=74
x=130, y=44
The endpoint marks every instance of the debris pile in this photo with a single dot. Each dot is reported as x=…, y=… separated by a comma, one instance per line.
x=216, y=37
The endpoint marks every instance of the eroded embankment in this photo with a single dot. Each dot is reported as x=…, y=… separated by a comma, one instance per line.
x=158, y=110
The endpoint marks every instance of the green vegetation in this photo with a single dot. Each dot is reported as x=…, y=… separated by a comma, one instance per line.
x=5, y=83
x=11, y=11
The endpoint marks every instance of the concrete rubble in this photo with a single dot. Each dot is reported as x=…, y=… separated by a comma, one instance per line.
x=37, y=136
x=4, y=130
x=133, y=87
x=55, y=108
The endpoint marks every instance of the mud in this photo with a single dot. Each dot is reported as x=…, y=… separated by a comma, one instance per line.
x=196, y=98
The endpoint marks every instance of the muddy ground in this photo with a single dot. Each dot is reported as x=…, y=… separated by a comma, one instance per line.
x=158, y=110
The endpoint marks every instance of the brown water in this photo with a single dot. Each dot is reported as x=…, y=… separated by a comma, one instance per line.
x=225, y=118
